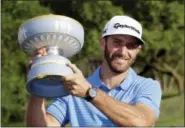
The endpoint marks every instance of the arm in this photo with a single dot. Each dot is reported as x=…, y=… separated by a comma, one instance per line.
x=124, y=114
x=36, y=114
x=144, y=111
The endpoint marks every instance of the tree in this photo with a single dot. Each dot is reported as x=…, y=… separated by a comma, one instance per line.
x=14, y=94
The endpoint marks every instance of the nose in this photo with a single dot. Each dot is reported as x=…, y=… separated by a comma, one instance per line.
x=123, y=50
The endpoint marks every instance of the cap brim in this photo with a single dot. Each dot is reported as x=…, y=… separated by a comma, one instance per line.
x=141, y=41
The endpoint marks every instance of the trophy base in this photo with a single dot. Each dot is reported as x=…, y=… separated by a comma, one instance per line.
x=44, y=76
x=47, y=87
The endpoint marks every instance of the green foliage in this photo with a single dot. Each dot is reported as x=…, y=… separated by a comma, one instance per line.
x=95, y=19
x=172, y=112
x=14, y=94
x=93, y=16
x=162, y=22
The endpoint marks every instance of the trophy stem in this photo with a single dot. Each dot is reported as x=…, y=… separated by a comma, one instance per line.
x=52, y=50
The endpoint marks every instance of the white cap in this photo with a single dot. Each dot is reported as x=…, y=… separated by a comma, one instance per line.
x=123, y=25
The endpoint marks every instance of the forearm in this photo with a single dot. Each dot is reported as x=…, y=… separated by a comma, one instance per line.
x=36, y=113
x=120, y=113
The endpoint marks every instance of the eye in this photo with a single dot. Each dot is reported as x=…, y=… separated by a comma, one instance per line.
x=132, y=45
x=116, y=42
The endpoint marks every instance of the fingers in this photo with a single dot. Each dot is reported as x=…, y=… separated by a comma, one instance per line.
x=67, y=85
x=28, y=66
x=68, y=78
x=69, y=82
x=73, y=67
x=72, y=88
x=41, y=52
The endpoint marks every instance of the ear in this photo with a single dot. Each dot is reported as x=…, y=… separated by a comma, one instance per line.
x=102, y=44
x=139, y=48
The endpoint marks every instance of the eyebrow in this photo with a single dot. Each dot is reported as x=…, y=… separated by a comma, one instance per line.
x=118, y=39
x=115, y=38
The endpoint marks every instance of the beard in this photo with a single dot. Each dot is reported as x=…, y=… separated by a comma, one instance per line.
x=118, y=69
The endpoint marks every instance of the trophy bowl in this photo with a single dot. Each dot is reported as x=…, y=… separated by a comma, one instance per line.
x=63, y=37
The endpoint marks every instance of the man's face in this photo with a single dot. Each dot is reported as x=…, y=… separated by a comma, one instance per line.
x=120, y=52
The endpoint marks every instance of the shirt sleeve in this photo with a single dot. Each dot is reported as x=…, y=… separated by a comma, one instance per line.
x=58, y=109
x=150, y=94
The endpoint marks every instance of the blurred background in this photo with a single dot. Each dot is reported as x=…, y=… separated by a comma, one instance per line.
x=162, y=57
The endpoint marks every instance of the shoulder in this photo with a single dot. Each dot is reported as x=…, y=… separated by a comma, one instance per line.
x=148, y=91
x=140, y=82
x=143, y=82
x=148, y=87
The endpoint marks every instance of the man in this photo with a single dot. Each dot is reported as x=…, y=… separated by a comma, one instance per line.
x=114, y=95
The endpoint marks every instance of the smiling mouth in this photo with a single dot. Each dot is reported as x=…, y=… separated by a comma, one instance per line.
x=120, y=58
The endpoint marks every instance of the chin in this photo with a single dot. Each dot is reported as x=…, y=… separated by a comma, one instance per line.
x=122, y=69
x=119, y=68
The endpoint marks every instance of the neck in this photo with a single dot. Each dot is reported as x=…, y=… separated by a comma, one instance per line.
x=110, y=78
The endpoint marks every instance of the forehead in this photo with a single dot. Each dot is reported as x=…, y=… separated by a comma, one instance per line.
x=123, y=37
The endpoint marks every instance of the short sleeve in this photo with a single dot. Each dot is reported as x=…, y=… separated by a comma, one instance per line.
x=58, y=109
x=150, y=94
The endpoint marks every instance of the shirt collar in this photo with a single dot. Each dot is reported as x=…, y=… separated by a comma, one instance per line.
x=129, y=80
x=98, y=82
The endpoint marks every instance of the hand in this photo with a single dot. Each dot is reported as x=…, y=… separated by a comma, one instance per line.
x=76, y=84
x=39, y=53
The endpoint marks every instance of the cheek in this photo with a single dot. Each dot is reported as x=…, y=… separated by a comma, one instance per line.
x=133, y=54
x=110, y=50
x=113, y=52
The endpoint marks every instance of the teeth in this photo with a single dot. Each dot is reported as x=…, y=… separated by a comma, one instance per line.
x=119, y=57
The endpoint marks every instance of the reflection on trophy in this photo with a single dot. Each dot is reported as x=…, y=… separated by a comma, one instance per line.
x=62, y=37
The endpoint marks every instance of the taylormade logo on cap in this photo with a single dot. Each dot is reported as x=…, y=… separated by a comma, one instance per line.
x=117, y=25
x=123, y=25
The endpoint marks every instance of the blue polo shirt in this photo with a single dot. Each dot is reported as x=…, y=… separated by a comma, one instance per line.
x=78, y=112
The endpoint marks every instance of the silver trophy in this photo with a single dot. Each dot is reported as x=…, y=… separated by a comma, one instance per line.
x=62, y=37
